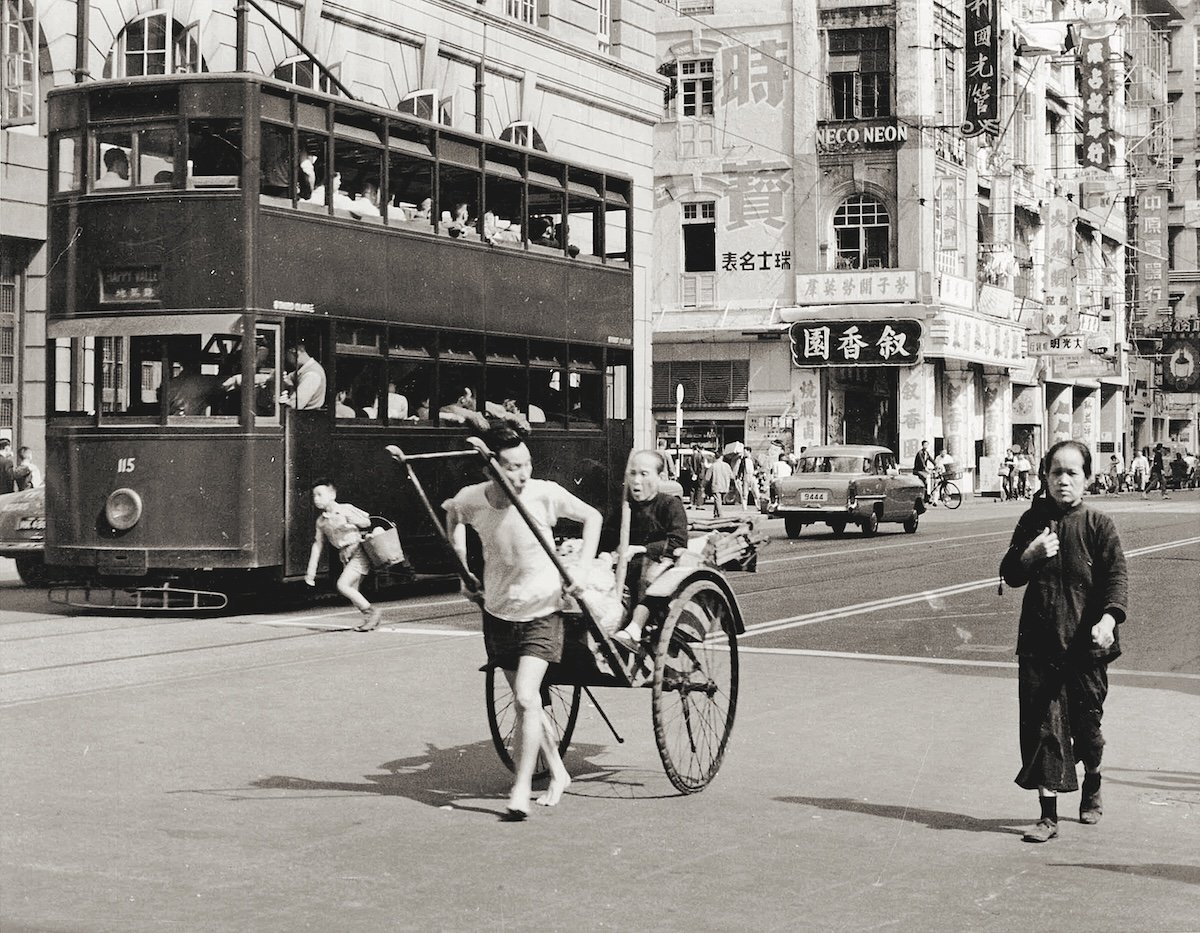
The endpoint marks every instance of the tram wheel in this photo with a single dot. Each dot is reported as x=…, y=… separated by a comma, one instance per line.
x=560, y=703
x=695, y=687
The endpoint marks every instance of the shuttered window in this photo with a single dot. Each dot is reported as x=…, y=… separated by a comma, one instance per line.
x=706, y=383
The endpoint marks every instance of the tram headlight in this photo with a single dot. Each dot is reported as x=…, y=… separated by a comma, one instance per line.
x=123, y=509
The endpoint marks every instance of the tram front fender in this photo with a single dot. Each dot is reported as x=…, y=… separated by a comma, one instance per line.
x=675, y=579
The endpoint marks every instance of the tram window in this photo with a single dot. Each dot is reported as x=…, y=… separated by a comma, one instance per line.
x=410, y=195
x=312, y=338
x=616, y=233
x=502, y=220
x=357, y=173
x=214, y=153
x=156, y=156
x=544, y=214
x=458, y=192
x=507, y=395
x=70, y=164
x=616, y=378
x=74, y=364
x=310, y=169
x=113, y=159
x=583, y=207
x=409, y=374
x=360, y=381
x=547, y=385
x=266, y=372
x=275, y=161
x=460, y=382
x=585, y=381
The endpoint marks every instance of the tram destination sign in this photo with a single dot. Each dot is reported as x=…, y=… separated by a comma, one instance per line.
x=856, y=343
x=129, y=283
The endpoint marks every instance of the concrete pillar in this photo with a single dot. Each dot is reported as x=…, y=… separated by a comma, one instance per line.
x=1059, y=411
x=997, y=428
x=956, y=415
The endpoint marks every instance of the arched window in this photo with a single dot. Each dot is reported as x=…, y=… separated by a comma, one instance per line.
x=523, y=133
x=18, y=74
x=155, y=44
x=299, y=70
x=863, y=231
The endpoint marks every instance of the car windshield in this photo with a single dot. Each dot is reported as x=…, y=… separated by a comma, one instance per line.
x=834, y=465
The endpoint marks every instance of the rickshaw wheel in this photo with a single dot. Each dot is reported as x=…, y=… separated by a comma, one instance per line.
x=695, y=687
x=561, y=703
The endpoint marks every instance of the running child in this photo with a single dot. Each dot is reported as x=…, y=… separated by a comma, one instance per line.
x=342, y=525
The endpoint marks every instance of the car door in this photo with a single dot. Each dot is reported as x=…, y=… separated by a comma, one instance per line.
x=887, y=485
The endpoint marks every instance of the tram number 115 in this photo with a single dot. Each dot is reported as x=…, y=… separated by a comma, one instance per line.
x=126, y=464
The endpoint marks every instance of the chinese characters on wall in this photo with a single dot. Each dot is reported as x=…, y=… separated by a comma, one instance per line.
x=892, y=285
x=756, y=262
x=982, y=73
x=1152, y=233
x=856, y=343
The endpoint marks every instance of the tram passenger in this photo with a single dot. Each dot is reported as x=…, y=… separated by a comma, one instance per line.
x=192, y=392
x=306, y=378
x=307, y=176
x=657, y=528
x=458, y=222
x=342, y=524
x=366, y=204
x=508, y=412
x=424, y=212
x=116, y=169
x=464, y=410
x=342, y=407
x=264, y=374
x=522, y=597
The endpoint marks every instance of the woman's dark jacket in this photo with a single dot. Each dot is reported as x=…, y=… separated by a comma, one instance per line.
x=1067, y=593
x=659, y=524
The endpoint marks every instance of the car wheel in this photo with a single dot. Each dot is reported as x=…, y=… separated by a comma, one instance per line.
x=32, y=570
x=910, y=524
x=839, y=528
x=793, y=526
x=870, y=524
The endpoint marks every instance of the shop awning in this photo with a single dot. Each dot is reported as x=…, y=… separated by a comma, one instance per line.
x=879, y=311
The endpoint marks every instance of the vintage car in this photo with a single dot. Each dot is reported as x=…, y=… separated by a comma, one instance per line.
x=23, y=532
x=844, y=485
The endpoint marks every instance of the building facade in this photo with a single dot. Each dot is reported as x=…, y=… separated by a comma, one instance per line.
x=568, y=76
x=883, y=222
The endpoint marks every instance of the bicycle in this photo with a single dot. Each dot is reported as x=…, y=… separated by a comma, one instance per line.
x=946, y=492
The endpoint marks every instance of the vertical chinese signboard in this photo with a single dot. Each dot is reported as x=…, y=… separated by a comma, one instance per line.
x=1060, y=314
x=1095, y=94
x=982, y=72
x=1152, y=259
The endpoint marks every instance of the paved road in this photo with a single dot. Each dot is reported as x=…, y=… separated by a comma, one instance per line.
x=273, y=771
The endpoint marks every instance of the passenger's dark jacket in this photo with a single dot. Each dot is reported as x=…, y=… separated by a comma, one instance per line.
x=660, y=525
x=1068, y=593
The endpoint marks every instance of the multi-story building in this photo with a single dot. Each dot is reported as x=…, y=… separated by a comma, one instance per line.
x=837, y=260
x=569, y=77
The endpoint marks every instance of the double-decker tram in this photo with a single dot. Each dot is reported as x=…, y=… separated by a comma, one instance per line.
x=256, y=285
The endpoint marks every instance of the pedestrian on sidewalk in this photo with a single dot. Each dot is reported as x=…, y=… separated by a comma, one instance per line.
x=720, y=481
x=1158, y=473
x=1070, y=557
x=342, y=525
x=522, y=596
x=1140, y=467
x=1023, y=468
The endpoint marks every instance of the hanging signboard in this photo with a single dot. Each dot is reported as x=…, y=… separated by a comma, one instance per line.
x=856, y=343
x=982, y=73
x=1060, y=316
x=856, y=287
x=1095, y=93
x=1152, y=268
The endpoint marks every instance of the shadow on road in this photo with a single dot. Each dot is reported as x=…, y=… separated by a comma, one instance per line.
x=1187, y=874
x=440, y=777
x=934, y=819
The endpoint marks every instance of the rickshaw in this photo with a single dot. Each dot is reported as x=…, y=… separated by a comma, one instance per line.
x=688, y=657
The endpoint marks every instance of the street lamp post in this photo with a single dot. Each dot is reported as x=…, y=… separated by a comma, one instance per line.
x=679, y=429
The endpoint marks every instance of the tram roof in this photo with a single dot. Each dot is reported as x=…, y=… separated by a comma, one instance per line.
x=319, y=97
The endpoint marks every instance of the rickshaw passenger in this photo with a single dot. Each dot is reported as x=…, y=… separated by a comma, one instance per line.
x=521, y=596
x=657, y=528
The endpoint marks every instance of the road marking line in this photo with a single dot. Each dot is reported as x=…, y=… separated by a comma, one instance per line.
x=945, y=662
x=399, y=628
x=878, y=547
x=829, y=615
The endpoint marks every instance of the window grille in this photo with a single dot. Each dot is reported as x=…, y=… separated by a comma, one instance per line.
x=696, y=81
x=860, y=74
x=18, y=70
x=863, y=229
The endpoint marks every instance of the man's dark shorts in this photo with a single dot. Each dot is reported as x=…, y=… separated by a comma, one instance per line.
x=508, y=642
